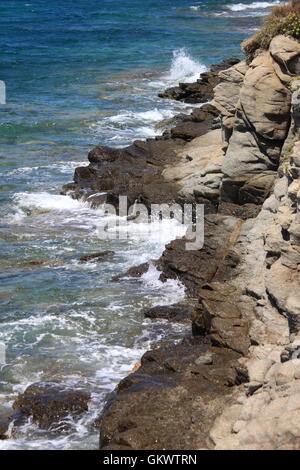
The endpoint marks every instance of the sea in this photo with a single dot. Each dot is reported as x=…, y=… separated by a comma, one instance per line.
x=82, y=73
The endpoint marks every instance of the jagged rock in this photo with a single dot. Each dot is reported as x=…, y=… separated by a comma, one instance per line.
x=268, y=420
x=265, y=101
x=201, y=176
x=134, y=171
x=267, y=417
x=224, y=323
x=189, y=130
x=49, y=404
x=134, y=272
x=200, y=167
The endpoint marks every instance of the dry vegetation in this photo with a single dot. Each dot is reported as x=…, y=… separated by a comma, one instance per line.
x=284, y=19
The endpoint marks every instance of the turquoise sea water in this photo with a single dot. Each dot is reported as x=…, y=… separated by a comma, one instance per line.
x=77, y=74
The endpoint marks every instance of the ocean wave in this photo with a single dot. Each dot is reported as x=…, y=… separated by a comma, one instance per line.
x=131, y=125
x=184, y=68
x=127, y=125
x=171, y=291
x=63, y=167
x=253, y=6
x=46, y=201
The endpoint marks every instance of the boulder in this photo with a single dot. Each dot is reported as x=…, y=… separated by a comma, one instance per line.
x=286, y=51
x=50, y=404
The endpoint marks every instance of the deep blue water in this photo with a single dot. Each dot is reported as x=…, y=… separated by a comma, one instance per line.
x=79, y=73
x=60, y=59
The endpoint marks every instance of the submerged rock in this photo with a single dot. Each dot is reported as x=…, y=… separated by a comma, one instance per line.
x=134, y=272
x=6, y=420
x=99, y=257
x=50, y=404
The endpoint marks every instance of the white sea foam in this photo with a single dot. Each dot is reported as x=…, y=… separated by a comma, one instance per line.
x=131, y=125
x=146, y=116
x=127, y=125
x=171, y=291
x=253, y=6
x=184, y=68
x=63, y=167
x=46, y=201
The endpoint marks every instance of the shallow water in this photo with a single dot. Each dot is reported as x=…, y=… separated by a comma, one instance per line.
x=79, y=74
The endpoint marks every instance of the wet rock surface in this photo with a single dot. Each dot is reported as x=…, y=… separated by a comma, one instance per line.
x=6, y=420
x=185, y=387
x=50, y=404
x=196, y=267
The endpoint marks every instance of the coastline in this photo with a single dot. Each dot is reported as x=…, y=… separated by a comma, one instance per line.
x=229, y=378
x=245, y=330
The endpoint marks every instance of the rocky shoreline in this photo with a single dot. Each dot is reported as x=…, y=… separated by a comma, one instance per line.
x=233, y=382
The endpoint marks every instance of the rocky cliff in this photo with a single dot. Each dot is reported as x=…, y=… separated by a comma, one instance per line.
x=234, y=383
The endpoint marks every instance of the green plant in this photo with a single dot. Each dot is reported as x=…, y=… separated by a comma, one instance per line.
x=283, y=20
x=291, y=25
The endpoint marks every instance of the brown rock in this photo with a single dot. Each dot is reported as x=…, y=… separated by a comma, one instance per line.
x=172, y=400
x=50, y=403
x=176, y=312
x=197, y=267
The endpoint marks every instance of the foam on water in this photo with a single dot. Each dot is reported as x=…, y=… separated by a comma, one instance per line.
x=184, y=68
x=151, y=280
x=127, y=125
x=63, y=167
x=253, y=6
